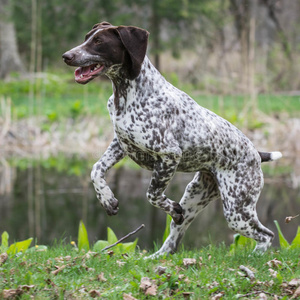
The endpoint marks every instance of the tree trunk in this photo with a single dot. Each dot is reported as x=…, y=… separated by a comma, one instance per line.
x=10, y=60
x=155, y=33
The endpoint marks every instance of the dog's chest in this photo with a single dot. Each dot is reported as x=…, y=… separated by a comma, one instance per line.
x=134, y=142
x=129, y=125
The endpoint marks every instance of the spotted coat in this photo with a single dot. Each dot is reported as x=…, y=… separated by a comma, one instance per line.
x=164, y=130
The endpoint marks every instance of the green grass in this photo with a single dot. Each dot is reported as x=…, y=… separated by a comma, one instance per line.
x=268, y=104
x=63, y=273
x=58, y=96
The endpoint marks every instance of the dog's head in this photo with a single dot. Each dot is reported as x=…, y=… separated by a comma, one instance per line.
x=108, y=49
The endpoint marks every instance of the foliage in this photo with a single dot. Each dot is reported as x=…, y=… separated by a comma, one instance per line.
x=179, y=14
x=15, y=247
x=241, y=242
x=111, y=239
x=58, y=98
x=167, y=229
x=76, y=109
x=83, y=242
x=284, y=243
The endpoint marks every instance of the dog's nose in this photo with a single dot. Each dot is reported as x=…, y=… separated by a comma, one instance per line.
x=68, y=57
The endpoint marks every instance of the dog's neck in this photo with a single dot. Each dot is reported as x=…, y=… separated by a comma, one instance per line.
x=123, y=88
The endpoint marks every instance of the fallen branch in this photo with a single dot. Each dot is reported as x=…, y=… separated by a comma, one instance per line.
x=124, y=238
x=248, y=272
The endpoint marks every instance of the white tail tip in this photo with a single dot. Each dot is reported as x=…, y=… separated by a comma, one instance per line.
x=276, y=155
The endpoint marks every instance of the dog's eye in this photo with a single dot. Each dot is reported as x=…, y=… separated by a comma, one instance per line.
x=97, y=41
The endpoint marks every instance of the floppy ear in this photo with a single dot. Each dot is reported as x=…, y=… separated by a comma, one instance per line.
x=135, y=41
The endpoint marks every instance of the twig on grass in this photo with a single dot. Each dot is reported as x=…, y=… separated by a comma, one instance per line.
x=248, y=272
x=124, y=238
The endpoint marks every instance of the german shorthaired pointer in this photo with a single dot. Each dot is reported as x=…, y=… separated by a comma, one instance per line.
x=164, y=130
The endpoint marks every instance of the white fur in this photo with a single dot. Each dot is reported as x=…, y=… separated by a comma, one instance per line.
x=276, y=155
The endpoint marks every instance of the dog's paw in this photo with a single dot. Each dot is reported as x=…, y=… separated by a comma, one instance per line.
x=178, y=209
x=111, y=206
x=178, y=217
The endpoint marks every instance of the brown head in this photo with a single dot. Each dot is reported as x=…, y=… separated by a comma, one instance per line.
x=106, y=47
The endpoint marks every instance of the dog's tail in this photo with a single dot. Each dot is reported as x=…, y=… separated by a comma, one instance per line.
x=269, y=156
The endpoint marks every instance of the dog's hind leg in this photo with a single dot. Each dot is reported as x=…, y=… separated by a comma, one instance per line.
x=198, y=194
x=239, y=204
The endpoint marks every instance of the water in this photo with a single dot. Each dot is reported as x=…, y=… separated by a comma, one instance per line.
x=47, y=200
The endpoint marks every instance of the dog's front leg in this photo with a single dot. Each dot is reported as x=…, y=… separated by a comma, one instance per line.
x=111, y=156
x=164, y=169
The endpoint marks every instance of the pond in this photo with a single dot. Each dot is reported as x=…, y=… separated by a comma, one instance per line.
x=47, y=199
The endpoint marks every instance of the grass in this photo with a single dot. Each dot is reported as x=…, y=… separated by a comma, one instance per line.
x=58, y=96
x=63, y=273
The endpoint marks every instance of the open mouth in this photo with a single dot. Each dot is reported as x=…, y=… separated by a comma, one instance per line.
x=85, y=74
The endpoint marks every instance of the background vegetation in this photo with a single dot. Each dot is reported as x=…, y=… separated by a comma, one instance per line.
x=236, y=45
x=239, y=58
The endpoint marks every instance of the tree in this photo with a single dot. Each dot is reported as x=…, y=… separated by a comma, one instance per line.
x=174, y=24
x=10, y=60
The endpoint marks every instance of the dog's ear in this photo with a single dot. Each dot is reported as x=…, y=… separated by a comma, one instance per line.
x=135, y=41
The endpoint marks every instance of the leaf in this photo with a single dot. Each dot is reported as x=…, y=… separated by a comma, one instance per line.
x=167, y=229
x=19, y=246
x=94, y=293
x=38, y=248
x=283, y=242
x=145, y=283
x=161, y=270
x=294, y=282
x=12, y=294
x=5, y=237
x=241, y=242
x=101, y=277
x=296, y=242
x=245, y=242
x=99, y=245
x=189, y=262
x=58, y=269
x=111, y=237
x=83, y=240
x=275, y=263
x=296, y=293
x=120, y=263
x=148, y=286
x=128, y=297
x=152, y=290
x=128, y=247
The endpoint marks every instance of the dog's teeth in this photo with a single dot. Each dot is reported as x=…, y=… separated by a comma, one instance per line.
x=81, y=76
x=98, y=66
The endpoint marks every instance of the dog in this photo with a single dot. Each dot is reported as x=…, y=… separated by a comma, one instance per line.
x=164, y=130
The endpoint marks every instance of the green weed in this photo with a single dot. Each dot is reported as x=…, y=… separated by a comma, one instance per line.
x=284, y=243
x=83, y=242
x=17, y=247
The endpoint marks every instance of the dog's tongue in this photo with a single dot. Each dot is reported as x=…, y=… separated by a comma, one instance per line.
x=82, y=71
x=85, y=70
